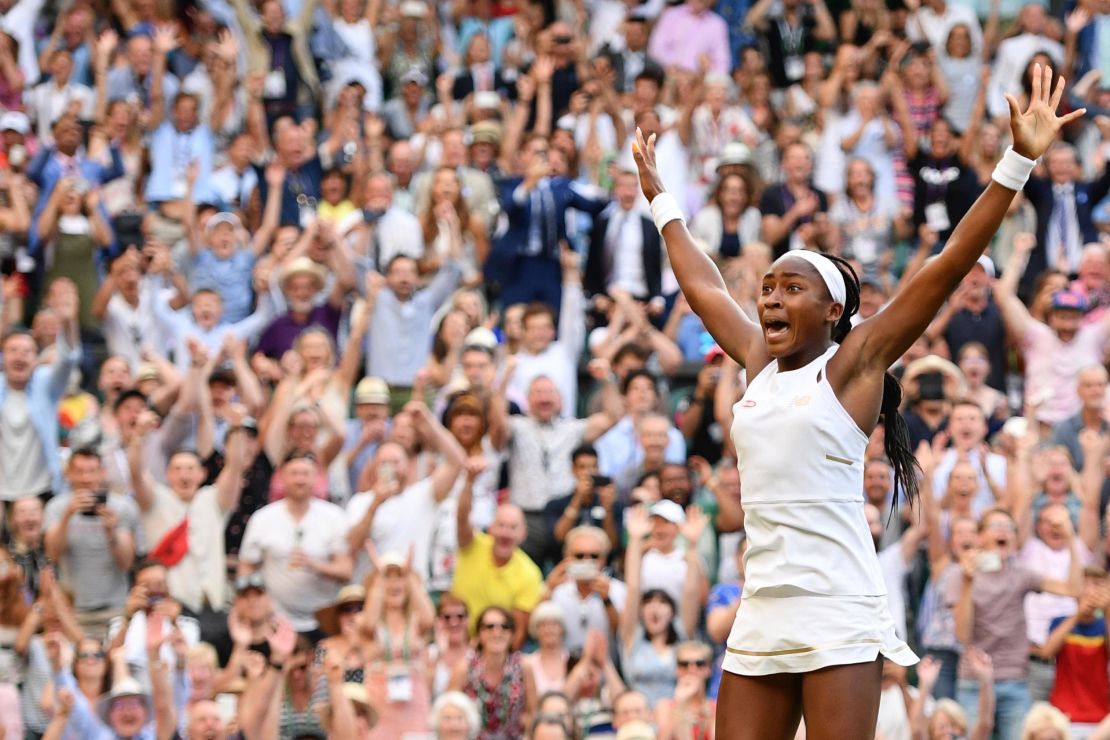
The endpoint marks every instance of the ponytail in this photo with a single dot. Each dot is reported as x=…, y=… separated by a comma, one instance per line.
x=896, y=440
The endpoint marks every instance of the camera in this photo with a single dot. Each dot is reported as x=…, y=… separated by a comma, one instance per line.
x=101, y=500
x=583, y=570
x=600, y=481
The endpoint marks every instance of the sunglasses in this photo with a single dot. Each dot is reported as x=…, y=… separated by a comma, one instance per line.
x=95, y=654
x=453, y=616
x=699, y=663
x=352, y=608
x=587, y=556
x=491, y=626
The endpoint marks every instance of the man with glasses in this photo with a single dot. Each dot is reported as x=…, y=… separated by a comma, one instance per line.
x=299, y=545
x=690, y=712
x=579, y=585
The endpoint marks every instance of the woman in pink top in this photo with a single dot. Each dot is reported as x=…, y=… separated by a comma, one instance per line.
x=548, y=664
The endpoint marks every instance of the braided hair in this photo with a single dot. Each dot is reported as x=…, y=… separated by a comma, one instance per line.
x=896, y=441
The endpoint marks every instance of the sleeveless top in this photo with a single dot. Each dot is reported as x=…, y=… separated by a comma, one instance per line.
x=801, y=468
x=501, y=706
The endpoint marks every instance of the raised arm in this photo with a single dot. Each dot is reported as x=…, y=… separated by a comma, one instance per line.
x=700, y=280
x=438, y=438
x=638, y=528
x=882, y=339
x=1015, y=315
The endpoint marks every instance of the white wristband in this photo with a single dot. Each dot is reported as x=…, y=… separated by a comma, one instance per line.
x=664, y=209
x=1012, y=171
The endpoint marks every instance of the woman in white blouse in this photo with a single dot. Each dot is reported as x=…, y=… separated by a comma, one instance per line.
x=729, y=220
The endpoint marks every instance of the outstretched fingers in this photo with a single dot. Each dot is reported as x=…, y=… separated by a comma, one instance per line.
x=1058, y=93
x=1035, y=93
x=1065, y=120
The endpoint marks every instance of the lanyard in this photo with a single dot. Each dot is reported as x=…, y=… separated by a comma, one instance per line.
x=791, y=38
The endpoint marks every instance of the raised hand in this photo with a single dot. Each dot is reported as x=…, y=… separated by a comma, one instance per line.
x=696, y=522
x=639, y=524
x=928, y=671
x=1036, y=128
x=644, y=154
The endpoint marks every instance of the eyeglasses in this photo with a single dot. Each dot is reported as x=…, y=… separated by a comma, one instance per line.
x=587, y=556
x=491, y=626
x=94, y=654
x=127, y=702
x=352, y=608
x=699, y=663
x=453, y=617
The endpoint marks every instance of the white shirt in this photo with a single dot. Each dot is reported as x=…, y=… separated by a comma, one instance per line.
x=272, y=535
x=934, y=28
x=624, y=250
x=134, y=642
x=983, y=499
x=584, y=614
x=202, y=574
x=664, y=572
x=1013, y=55
x=47, y=101
x=128, y=328
x=401, y=522
x=559, y=361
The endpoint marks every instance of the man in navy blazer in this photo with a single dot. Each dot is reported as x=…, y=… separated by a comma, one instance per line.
x=525, y=255
x=626, y=251
x=1064, y=208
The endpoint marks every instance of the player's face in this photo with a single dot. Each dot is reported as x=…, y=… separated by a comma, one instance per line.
x=795, y=308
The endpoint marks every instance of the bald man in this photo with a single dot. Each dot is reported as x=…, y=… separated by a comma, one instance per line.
x=1091, y=384
x=491, y=569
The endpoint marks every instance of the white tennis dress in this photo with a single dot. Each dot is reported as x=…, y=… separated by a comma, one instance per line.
x=813, y=592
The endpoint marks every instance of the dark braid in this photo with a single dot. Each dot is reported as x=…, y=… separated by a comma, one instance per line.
x=896, y=441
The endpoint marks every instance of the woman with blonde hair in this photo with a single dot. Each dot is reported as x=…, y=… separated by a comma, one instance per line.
x=399, y=616
x=1045, y=722
x=450, y=227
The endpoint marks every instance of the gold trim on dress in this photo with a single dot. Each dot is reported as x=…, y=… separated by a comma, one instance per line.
x=842, y=460
x=807, y=649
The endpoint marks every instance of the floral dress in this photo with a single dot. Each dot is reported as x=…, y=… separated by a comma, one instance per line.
x=501, y=706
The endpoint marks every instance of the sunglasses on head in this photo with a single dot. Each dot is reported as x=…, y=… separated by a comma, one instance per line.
x=699, y=663
x=491, y=626
x=453, y=616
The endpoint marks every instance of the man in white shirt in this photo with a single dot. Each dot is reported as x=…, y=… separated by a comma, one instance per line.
x=58, y=95
x=968, y=429
x=931, y=20
x=183, y=522
x=1014, y=54
x=542, y=354
x=299, y=544
x=590, y=599
x=398, y=511
x=618, y=450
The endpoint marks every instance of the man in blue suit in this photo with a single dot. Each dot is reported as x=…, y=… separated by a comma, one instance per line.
x=1064, y=206
x=525, y=258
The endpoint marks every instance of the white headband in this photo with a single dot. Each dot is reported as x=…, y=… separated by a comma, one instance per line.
x=827, y=269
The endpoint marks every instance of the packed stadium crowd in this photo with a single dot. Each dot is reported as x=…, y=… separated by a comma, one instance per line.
x=348, y=391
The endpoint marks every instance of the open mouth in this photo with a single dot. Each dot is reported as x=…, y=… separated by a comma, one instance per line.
x=1002, y=542
x=775, y=328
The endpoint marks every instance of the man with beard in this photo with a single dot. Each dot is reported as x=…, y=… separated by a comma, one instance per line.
x=301, y=282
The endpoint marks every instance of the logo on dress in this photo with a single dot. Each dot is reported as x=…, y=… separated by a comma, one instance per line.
x=747, y=404
x=802, y=400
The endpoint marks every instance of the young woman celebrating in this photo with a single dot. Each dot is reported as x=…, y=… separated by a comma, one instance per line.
x=813, y=620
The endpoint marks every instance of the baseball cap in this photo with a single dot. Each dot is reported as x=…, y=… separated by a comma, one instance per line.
x=480, y=337
x=412, y=9
x=391, y=560
x=415, y=74
x=714, y=352
x=223, y=218
x=16, y=121
x=734, y=153
x=1068, y=300
x=669, y=510
x=487, y=100
x=486, y=132
x=251, y=580
x=988, y=266
x=372, y=390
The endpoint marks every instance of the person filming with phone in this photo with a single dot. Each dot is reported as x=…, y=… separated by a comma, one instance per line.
x=584, y=589
x=593, y=501
x=988, y=595
x=91, y=535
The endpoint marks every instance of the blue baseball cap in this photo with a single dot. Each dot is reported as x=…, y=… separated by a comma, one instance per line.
x=1068, y=300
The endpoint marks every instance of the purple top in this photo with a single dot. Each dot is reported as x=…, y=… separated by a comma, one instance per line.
x=283, y=331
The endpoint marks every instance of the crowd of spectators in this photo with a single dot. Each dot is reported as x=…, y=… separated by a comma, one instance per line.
x=348, y=393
